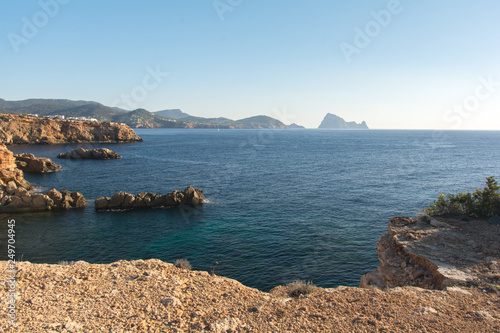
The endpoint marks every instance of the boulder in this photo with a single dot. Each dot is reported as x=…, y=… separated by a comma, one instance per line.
x=11, y=187
x=117, y=200
x=78, y=200
x=129, y=201
x=30, y=163
x=192, y=196
x=102, y=202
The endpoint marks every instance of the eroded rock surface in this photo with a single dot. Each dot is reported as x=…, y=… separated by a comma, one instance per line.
x=435, y=255
x=122, y=200
x=30, y=163
x=15, y=195
x=95, y=154
x=154, y=296
x=16, y=129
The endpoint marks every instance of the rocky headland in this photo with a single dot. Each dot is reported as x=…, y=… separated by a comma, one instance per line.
x=122, y=200
x=15, y=194
x=441, y=253
x=95, y=154
x=18, y=129
x=30, y=163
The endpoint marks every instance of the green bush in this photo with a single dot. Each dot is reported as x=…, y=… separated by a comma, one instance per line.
x=480, y=203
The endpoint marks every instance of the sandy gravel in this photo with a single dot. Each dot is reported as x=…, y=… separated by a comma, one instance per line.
x=153, y=296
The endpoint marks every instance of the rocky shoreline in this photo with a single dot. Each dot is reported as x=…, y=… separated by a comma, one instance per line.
x=17, y=129
x=15, y=195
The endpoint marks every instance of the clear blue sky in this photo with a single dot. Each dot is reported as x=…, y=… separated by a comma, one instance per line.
x=426, y=66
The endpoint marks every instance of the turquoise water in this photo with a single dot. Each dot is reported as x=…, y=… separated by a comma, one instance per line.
x=281, y=204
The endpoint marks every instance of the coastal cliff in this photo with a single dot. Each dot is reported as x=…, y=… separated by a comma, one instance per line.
x=441, y=253
x=17, y=129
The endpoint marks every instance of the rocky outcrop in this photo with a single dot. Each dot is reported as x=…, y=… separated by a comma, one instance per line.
x=96, y=154
x=16, y=198
x=435, y=255
x=30, y=163
x=16, y=129
x=9, y=172
x=122, y=200
x=21, y=201
x=332, y=121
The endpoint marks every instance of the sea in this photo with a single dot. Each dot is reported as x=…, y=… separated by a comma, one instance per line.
x=280, y=205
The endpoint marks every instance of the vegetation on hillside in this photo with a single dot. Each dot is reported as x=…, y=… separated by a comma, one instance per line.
x=480, y=203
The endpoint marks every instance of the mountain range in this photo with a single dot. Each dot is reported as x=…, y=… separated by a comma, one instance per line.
x=140, y=118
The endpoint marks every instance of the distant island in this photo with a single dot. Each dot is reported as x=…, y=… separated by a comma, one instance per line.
x=139, y=118
x=332, y=121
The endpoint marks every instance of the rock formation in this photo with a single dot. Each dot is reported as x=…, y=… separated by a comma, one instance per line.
x=332, y=121
x=123, y=200
x=9, y=173
x=15, y=129
x=16, y=198
x=96, y=154
x=436, y=255
x=30, y=163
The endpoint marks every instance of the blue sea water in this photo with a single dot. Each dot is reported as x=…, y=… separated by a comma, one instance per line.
x=281, y=205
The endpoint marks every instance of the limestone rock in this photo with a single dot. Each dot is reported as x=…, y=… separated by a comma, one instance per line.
x=17, y=129
x=122, y=200
x=30, y=163
x=96, y=154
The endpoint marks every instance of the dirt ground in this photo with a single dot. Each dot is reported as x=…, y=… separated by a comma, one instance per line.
x=153, y=296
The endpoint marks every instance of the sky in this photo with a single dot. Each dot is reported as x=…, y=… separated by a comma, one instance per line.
x=396, y=64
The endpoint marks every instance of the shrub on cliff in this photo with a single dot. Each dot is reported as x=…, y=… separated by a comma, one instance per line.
x=297, y=288
x=183, y=264
x=481, y=203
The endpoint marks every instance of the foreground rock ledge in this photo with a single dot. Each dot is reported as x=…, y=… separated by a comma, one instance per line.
x=154, y=296
x=122, y=200
x=436, y=255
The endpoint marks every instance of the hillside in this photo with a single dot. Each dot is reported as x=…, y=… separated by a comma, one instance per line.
x=332, y=121
x=64, y=107
x=140, y=118
x=172, y=114
x=261, y=122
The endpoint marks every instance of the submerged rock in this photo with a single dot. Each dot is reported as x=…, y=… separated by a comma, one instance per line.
x=95, y=154
x=122, y=200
